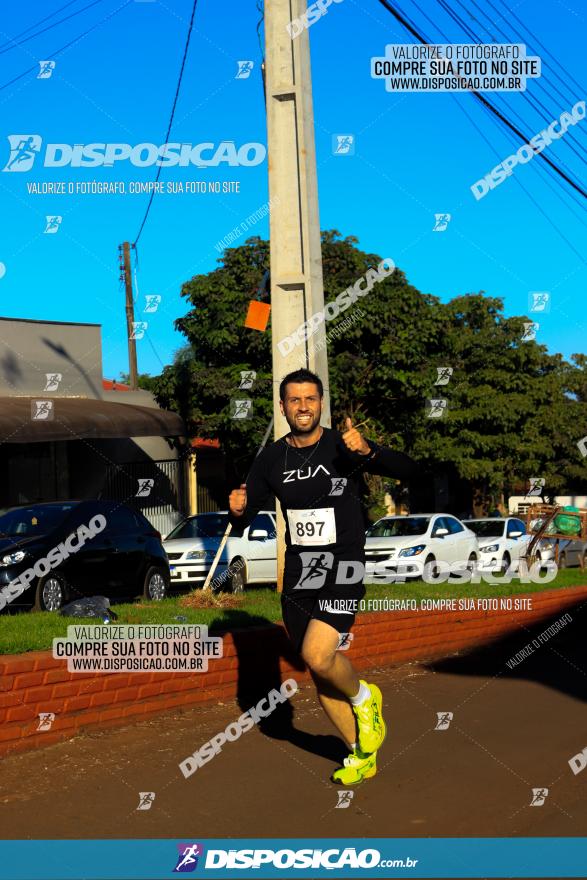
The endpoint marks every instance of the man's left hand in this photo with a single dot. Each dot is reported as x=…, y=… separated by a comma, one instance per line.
x=354, y=441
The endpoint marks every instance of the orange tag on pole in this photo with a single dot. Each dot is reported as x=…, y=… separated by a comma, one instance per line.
x=257, y=315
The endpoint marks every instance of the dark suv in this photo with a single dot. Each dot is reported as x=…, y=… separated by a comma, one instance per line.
x=51, y=553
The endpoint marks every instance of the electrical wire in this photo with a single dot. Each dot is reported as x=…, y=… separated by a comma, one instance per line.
x=31, y=27
x=473, y=36
x=512, y=14
x=14, y=43
x=67, y=45
x=185, y=52
x=413, y=30
x=261, y=11
x=520, y=184
x=531, y=99
x=539, y=168
x=553, y=69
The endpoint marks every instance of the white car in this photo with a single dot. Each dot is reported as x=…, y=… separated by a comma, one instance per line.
x=571, y=552
x=250, y=559
x=502, y=540
x=411, y=542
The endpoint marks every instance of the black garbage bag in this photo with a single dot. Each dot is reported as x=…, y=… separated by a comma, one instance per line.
x=89, y=606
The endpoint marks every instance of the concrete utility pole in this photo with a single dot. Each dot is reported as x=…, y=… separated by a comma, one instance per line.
x=297, y=290
x=130, y=316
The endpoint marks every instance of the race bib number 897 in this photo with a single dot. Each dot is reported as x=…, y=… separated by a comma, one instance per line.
x=312, y=527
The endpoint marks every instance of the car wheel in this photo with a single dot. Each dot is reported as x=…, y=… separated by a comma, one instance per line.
x=430, y=566
x=536, y=559
x=238, y=577
x=562, y=561
x=156, y=586
x=472, y=562
x=506, y=561
x=51, y=594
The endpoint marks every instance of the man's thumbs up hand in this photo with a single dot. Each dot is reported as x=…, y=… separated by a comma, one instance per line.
x=237, y=500
x=354, y=441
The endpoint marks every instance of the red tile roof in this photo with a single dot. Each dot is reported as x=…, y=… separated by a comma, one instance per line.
x=113, y=385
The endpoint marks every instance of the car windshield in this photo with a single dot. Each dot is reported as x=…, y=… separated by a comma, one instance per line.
x=486, y=528
x=400, y=527
x=35, y=520
x=208, y=525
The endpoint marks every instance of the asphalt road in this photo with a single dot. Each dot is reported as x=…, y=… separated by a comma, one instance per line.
x=513, y=730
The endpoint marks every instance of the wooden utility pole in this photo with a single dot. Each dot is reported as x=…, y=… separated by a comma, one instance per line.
x=130, y=316
x=297, y=290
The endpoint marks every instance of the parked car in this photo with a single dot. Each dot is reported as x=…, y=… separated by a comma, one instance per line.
x=123, y=558
x=415, y=540
x=571, y=552
x=502, y=540
x=250, y=559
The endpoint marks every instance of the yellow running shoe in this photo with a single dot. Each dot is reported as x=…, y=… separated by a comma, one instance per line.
x=355, y=768
x=370, y=723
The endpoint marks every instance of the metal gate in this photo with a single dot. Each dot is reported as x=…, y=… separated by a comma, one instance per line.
x=157, y=488
x=206, y=503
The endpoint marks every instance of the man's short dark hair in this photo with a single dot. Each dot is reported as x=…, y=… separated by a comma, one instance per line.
x=301, y=375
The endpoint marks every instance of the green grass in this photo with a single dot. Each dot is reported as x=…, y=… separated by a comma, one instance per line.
x=33, y=631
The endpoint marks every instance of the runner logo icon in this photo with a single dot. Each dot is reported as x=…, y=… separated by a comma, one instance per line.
x=539, y=796
x=23, y=151
x=187, y=860
x=444, y=719
x=315, y=567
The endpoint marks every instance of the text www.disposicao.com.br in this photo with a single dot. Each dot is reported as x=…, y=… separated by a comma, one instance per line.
x=135, y=664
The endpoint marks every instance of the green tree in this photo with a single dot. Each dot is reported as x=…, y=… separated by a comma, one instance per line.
x=514, y=411
x=509, y=411
x=144, y=381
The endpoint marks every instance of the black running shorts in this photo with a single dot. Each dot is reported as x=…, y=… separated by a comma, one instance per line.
x=336, y=605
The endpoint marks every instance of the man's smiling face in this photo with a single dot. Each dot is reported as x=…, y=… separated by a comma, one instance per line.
x=302, y=407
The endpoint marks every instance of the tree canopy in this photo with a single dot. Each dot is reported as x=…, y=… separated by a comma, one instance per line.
x=514, y=411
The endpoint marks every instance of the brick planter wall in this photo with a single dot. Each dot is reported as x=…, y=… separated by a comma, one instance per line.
x=253, y=658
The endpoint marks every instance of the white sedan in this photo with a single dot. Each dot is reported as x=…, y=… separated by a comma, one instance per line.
x=502, y=541
x=571, y=552
x=250, y=559
x=405, y=544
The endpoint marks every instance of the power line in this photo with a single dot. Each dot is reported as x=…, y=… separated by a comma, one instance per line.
x=473, y=36
x=539, y=168
x=532, y=100
x=510, y=12
x=14, y=43
x=402, y=19
x=67, y=45
x=183, y=60
x=554, y=68
x=519, y=182
x=37, y=23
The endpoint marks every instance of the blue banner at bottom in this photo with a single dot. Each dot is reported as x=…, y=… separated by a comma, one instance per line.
x=223, y=858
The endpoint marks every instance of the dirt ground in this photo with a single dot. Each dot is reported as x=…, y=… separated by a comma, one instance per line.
x=512, y=730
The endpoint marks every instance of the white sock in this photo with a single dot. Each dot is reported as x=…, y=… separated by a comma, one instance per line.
x=353, y=747
x=363, y=694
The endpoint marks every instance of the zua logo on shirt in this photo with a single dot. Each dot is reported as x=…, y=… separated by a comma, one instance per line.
x=304, y=473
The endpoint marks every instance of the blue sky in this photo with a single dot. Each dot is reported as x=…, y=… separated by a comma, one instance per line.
x=416, y=155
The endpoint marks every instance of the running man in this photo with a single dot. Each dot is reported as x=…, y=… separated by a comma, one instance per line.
x=25, y=149
x=324, y=558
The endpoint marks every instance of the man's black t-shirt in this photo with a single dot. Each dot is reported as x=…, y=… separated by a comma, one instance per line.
x=318, y=487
